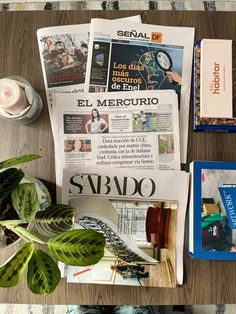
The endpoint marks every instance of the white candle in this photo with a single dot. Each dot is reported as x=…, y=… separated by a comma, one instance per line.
x=12, y=97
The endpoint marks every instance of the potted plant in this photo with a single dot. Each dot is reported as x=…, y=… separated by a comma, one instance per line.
x=54, y=226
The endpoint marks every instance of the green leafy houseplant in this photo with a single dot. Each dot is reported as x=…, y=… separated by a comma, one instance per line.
x=73, y=247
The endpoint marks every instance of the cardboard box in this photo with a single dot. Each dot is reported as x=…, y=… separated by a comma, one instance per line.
x=210, y=208
x=216, y=79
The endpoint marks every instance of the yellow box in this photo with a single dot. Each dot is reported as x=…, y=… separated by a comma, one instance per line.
x=211, y=208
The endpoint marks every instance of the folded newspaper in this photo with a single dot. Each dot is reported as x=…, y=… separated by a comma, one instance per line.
x=129, y=56
x=141, y=214
x=134, y=130
x=63, y=53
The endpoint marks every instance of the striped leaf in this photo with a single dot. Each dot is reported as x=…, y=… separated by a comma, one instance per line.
x=25, y=201
x=17, y=160
x=9, y=179
x=55, y=219
x=77, y=247
x=43, y=273
x=12, y=271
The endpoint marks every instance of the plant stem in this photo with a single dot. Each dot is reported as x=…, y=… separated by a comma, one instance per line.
x=26, y=235
x=12, y=222
x=3, y=213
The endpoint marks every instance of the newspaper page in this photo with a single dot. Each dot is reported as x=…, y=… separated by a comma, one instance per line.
x=138, y=130
x=130, y=56
x=141, y=214
x=63, y=54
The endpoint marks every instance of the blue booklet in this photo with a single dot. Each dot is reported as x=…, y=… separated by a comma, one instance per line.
x=228, y=196
x=212, y=210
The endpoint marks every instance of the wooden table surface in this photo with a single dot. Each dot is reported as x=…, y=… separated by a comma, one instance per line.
x=205, y=282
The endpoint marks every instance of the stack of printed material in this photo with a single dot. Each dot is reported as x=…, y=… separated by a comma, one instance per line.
x=119, y=105
x=63, y=53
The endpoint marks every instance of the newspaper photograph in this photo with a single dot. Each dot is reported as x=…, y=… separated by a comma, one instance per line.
x=63, y=53
x=141, y=214
x=132, y=56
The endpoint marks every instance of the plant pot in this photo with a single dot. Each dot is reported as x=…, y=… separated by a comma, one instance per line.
x=44, y=198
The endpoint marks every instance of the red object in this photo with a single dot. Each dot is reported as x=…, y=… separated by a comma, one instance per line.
x=157, y=226
x=203, y=177
x=81, y=271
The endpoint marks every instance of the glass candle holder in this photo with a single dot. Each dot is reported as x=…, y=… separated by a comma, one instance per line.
x=19, y=102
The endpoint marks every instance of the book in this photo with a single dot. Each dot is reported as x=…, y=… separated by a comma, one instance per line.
x=141, y=214
x=212, y=219
x=216, y=78
x=131, y=57
x=200, y=124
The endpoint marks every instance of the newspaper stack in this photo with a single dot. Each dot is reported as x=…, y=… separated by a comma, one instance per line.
x=118, y=96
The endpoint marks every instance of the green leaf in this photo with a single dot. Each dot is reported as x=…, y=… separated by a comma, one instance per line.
x=9, y=179
x=17, y=160
x=25, y=201
x=55, y=219
x=12, y=271
x=77, y=247
x=43, y=273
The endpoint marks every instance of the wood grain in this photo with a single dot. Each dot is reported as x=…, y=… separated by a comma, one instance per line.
x=205, y=281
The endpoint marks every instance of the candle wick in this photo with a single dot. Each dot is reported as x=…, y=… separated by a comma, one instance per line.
x=7, y=94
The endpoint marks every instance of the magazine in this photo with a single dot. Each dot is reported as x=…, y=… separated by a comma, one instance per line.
x=212, y=215
x=134, y=130
x=132, y=56
x=141, y=214
x=63, y=53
